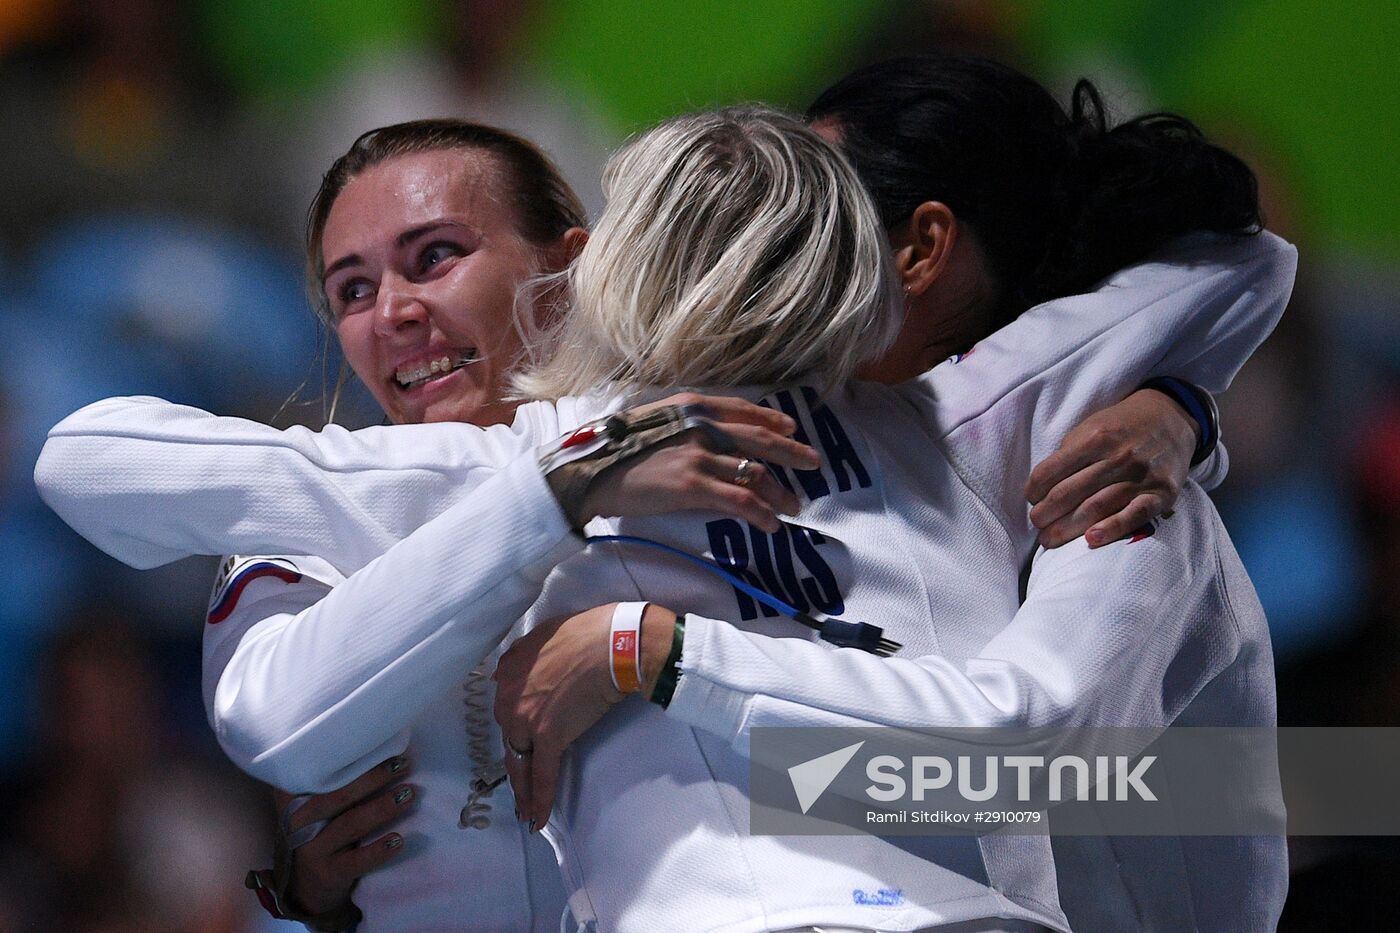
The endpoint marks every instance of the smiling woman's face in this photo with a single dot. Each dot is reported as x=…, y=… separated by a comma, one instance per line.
x=423, y=260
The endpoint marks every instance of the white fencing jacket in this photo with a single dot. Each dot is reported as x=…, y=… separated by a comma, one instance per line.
x=446, y=534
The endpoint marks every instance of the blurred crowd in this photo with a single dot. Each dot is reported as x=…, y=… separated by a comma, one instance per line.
x=150, y=219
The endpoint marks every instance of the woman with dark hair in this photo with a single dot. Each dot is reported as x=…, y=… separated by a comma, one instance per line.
x=1057, y=199
x=996, y=199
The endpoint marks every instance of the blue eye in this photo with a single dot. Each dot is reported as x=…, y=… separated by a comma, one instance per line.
x=354, y=291
x=349, y=293
x=436, y=253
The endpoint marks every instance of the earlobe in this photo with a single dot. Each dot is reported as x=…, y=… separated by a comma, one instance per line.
x=933, y=230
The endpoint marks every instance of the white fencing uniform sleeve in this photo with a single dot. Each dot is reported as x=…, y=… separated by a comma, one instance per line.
x=255, y=594
x=1196, y=312
x=1077, y=653
x=1211, y=472
x=315, y=693
x=150, y=482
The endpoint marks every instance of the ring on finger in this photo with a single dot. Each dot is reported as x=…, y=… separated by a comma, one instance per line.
x=742, y=473
x=519, y=754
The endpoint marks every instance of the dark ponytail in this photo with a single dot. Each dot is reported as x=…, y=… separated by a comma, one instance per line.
x=1058, y=200
x=1135, y=186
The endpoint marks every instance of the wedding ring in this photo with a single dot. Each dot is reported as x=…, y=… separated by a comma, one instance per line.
x=741, y=472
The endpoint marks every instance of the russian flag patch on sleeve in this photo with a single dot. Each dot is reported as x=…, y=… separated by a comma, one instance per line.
x=235, y=575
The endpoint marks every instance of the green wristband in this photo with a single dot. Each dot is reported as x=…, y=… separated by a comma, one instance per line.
x=671, y=670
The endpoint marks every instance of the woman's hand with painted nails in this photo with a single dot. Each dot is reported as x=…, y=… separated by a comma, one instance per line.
x=1116, y=471
x=326, y=868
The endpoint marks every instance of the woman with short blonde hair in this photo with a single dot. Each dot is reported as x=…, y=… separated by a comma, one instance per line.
x=737, y=249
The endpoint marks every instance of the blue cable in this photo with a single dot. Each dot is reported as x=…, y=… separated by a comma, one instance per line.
x=838, y=632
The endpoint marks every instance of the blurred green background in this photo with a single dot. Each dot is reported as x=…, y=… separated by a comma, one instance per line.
x=1320, y=80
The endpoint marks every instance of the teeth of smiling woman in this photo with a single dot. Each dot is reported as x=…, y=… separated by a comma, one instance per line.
x=408, y=378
